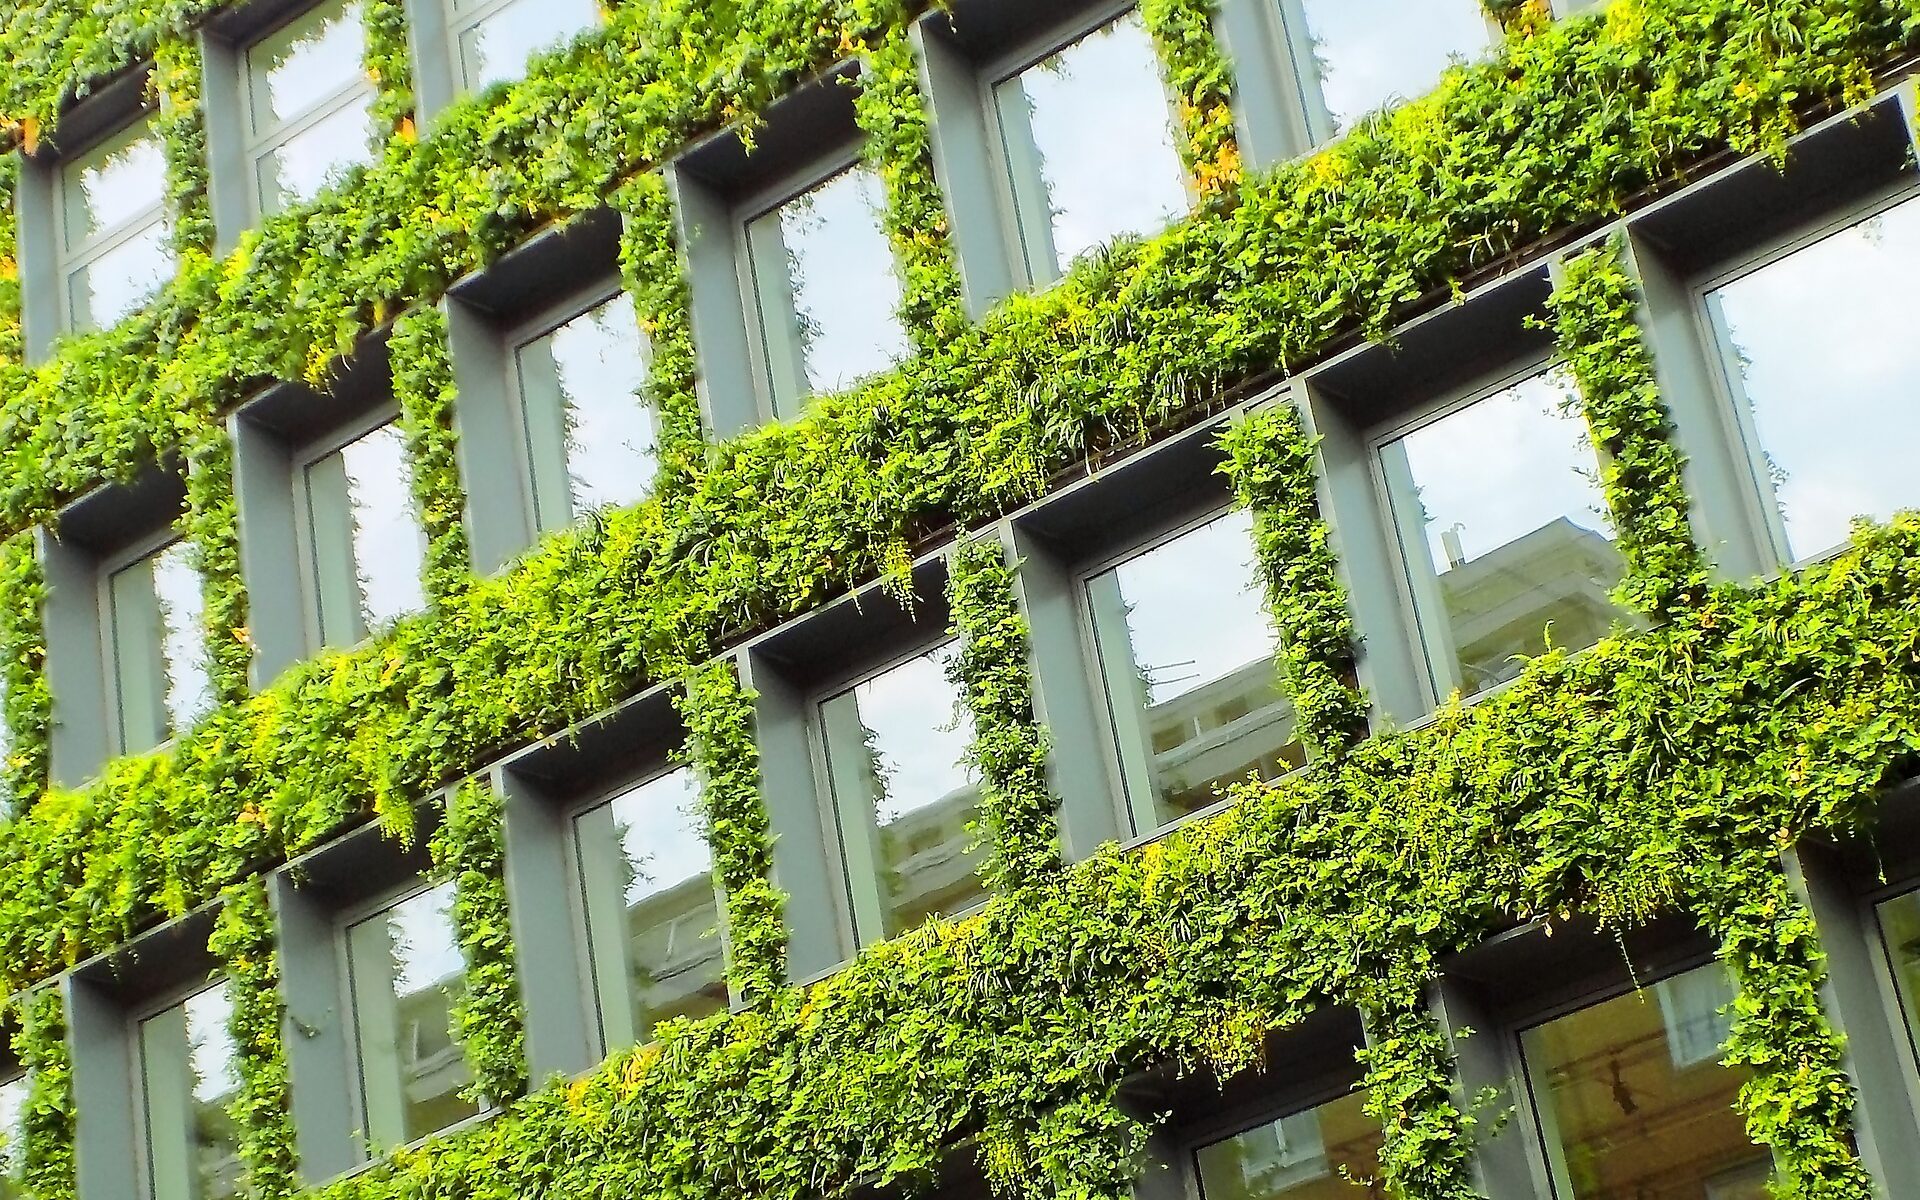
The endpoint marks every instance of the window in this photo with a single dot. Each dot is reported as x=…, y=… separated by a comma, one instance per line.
x=114, y=229
x=494, y=38
x=188, y=1078
x=1090, y=147
x=653, y=915
x=1187, y=652
x=405, y=972
x=1820, y=366
x=14, y=1093
x=590, y=433
x=825, y=288
x=157, y=654
x=366, y=545
x=1504, y=535
x=1900, y=933
x=1632, y=1102
x=1328, y=1152
x=309, y=104
x=1369, y=54
x=896, y=747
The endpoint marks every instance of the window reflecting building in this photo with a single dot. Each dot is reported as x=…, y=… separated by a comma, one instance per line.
x=189, y=1079
x=1328, y=1152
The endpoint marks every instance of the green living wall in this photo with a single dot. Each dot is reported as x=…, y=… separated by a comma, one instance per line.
x=1661, y=771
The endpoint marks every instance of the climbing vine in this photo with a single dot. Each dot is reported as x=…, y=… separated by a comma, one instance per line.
x=652, y=270
x=181, y=124
x=47, y=1125
x=244, y=943
x=469, y=851
x=25, y=705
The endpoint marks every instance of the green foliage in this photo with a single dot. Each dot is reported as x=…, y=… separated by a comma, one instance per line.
x=46, y=1127
x=211, y=526
x=718, y=713
x=653, y=273
x=1009, y=748
x=1428, y=1147
x=243, y=941
x=1201, y=80
x=181, y=123
x=388, y=61
x=28, y=706
x=469, y=851
x=423, y=386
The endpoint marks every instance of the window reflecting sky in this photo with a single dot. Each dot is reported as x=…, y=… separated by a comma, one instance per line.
x=498, y=46
x=117, y=282
x=841, y=272
x=321, y=154
x=600, y=359
x=183, y=642
x=1503, y=467
x=389, y=549
x=124, y=178
x=1195, y=611
x=1371, y=53
x=921, y=731
x=425, y=950
x=1828, y=360
x=1329, y=1152
x=307, y=62
x=659, y=826
x=1103, y=130
x=210, y=1048
x=13, y=1108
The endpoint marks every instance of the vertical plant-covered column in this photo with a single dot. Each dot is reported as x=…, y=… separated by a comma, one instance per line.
x=489, y=1023
x=1270, y=460
x=1202, y=81
x=655, y=275
x=12, y=348
x=1595, y=307
x=389, y=64
x=212, y=526
x=718, y=713
x=46, y=1127
x=262, y=1111
x=1428, y=1148
x=892, y=112
x=423, y=386
x=177, y=78
x=994, y=673
x=1086, y=1148
x=27, y=710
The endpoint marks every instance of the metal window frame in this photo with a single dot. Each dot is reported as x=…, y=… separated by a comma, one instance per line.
x=118, y=674
x=147, y=1158
x=70, y=258
x=319, y=578
x=262, y=138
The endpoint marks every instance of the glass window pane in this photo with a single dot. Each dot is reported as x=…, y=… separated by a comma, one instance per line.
x=115, y=282
x=1331, y=1152
x=109, y=186
x=409, y=999
x=664, y=900
x=1096, y=119
x=840, y=272
x=389, y=549
x=1817, y=345
x=1633, y=1101
x=1504, y=531
x=183, y=644
x=1187, y=650
x=13, y=1112
x=295, y=170
x=159, y=647
x=908, y=750
x=1900, y=930
x=598, y=368
x=190, y=1078
x=310, y=60
x=1369, y=54
x=497, y=46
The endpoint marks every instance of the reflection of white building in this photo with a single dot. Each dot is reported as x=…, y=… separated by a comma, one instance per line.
x=675, y=954
x=1220, y=731
x=932, y=871
x=1501, y=603
x=432, y=1068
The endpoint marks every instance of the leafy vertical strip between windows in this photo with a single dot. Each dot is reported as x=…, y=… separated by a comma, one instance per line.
x=245, y=942
x=1429, y=1144
x=654, y=273
x=423, y=386
x=47, y=1126
x=1201, y=78
x=1085, y=1148
x=1595, y=307
x=489, y=1023
x=718, y=713
x=1270, y=460
x=892, y=113
x=211, y=526
x=178, y=79
x=389, y=64
x=26, y=704
x=993, y=670
x=12, y=347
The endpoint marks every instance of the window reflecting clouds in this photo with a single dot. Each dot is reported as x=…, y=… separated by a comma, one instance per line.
x=115, y=238
x=112, y=186
x=1329, y=1152
x=1632, y=1099
x=310, y=104
x=389, y=548
x=158, y=646
x=1819, y=346
x=1187, y=651
x=590, y=430
x=114, y=282
x=317, y=156
x=1504, y=531
x=653, y=915
x=496, y=44
x=1369, y=54
x=183, y=644
x=897, y=746
x=1091, y=142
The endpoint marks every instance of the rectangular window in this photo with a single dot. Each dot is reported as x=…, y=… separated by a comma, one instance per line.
x=14, y=1091
x=591, y=434
x=368, y=549
x=115, y=234
x=1328, y=1152
x=1368, y=55
x=1091, y=147
x=1900, y=932
x=1186, y=649
x=1823, y=369
x=309, y=104
x=188, y=1078
x=653, y=915
x=1504, y=534
x=494, y=38
x=157, y=647
x=825, y=288
x=1632, y=1099
x=896, y=748
x=405, y=971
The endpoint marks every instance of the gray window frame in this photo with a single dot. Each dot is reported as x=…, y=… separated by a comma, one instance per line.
x=323, y=573
x=257, y=142
x=147, y=672
x=147, y=1160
